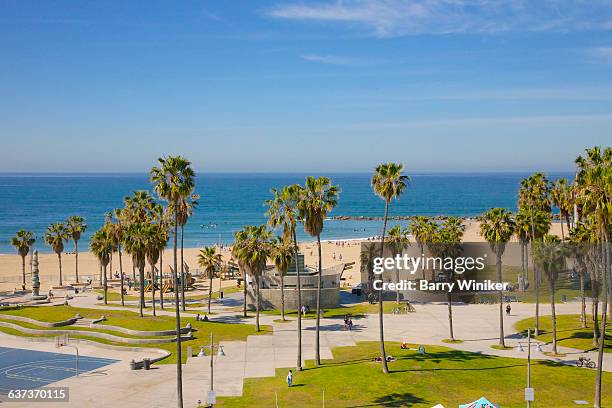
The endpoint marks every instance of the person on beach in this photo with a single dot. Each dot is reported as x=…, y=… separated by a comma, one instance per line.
x=290, y=379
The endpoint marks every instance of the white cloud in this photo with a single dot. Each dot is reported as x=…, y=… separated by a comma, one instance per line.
x=602, y=54
x=385, y=18
x=338, y=60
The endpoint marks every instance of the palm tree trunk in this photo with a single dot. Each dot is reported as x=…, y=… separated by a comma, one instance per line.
x=536, y=280
x=244, y=290
x=562, y=229
x=59, y=257
x=142, y=279
x=161, y=279
x=153, y=287
x=76, y=259
x=257, y=302
x=23, y=269
x=526, y=265
x=121, y=276
x=105, y=287
x=449, y=301
x=383, y=353
x=602, y=338
x=522, y=283
x=210, y=283
x=299, y=305
x=318, y=324
x=182, y=269
x=498, y=265
x=133, y=272
x=177, y=312
x=595, y=311
x=583, y=322
x=282, y=295
x=554, y=315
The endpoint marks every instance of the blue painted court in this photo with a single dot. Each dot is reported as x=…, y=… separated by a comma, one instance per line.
x=28, y=369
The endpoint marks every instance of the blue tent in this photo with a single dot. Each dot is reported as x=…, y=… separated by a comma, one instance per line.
x=480, y=403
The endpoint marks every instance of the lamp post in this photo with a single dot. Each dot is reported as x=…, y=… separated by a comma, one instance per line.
x=529, y=392
x=220, y=353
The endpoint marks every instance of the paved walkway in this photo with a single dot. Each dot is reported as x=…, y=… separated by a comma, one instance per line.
x=260, y=356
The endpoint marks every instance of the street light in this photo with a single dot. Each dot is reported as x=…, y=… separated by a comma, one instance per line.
x=220, y=353
x=529, y=392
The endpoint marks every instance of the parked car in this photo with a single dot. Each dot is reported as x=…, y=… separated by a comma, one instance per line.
x=357, y=289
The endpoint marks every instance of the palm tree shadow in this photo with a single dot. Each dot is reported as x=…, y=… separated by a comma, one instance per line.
x=405, y=399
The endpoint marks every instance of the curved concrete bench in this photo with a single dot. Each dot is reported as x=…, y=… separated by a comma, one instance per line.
x=132, y=332
x=99, y=335
x=163, y=353
x=38, y=322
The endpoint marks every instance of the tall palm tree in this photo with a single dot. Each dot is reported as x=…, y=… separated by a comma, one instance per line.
x=317, y=199
x=211, y=262
x=174, y=181
x=561, y=197
x=137, y=235
x=550, y=254
x=54, y=237
x=253, y=253
x=23, y=242
x=118, y=230
x=137, y=209
x=445, y=242
x=154, y=246
x=523, y=234
x=497, y=226
x=282, y=255
x=398, y=241
x=422, y=229
x=240, y=238
x=101, y=245
x=595, y=196
x=161, y=219
x=534, y=197
x=185, y=208
x=76, y=226
x=388, y=183
x=579, y=237
x=283, y=213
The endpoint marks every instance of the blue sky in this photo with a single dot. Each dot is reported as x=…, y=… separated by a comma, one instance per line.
x=440, y=85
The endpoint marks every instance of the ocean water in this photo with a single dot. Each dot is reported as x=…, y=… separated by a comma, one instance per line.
x=230, y=201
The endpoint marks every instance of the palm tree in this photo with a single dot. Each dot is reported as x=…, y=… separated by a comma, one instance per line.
x=422, y=228
x=185, y=210
x=253, y=253
x=138, y=209
x=579, y=237
x=23, y=242
x=240, y=239
x=523, y=234
x=282, y=255
x=398, y=241
x=283, y=213
x=497, y=226
x=118, y=230
x=549, y=254
x=388, y=183
x=561, y=197
x=534, y=197
x=211, y=262
x=316, y=200
x=75, y=226
x=54, y=237
x=445, y=242
x=162, y=222
x=101, y=245
x=155, y=245
x=174, y=181
x=137, y=236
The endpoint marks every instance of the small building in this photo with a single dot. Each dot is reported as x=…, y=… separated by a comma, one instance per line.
x=270, y=290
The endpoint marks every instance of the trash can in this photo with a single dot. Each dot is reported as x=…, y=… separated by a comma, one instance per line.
x=146, y=363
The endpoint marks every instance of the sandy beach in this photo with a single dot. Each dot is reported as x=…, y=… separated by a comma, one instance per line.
x=10, y=264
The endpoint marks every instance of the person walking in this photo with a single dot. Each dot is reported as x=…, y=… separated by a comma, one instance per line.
x=290, y=379
x=508, y=309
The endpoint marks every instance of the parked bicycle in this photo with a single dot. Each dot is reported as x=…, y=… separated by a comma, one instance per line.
x=585, y=362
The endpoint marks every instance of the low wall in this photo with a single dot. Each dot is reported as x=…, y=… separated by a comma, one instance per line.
x=163, y=353
x=104, y=336
x=38, y=322
x=271, y=298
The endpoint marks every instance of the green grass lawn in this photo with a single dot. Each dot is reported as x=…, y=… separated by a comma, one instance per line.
x=569, y=333
x=442, y=375
x=131, y=320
